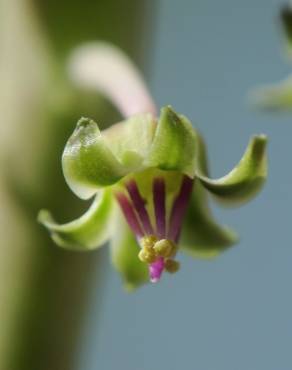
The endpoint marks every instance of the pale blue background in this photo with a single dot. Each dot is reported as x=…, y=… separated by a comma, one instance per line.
x=233, y=313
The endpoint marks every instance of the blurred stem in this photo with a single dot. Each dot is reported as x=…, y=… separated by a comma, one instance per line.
x=44, y=290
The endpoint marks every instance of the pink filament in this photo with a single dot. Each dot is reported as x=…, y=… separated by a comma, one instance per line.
x=130, y=215
x=138, y=219
x=139, y=205
x=179, y=207
x=159, y=205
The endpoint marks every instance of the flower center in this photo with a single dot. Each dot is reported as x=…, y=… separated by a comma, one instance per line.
x=158, y=239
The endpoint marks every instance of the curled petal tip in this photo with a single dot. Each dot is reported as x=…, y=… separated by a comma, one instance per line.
x=273, y=97
x=246, y=179
x=87, y=232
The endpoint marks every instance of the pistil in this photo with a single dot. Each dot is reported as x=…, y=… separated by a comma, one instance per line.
x=155, y=270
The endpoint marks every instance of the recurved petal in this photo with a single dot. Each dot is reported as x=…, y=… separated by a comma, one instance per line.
x=124, y=254
x=201, y=236
x=274, y=97
x=104, y=67
x=88, y=162
x=89, y=231
x=174, y=144
x=246, y=179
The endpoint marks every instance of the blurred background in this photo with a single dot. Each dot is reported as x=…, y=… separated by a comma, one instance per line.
x=67, y=311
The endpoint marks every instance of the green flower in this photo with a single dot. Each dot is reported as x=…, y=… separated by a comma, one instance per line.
x=278, y=96
x=149, y=179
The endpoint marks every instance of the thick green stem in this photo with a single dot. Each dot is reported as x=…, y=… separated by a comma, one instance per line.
x=44, y=290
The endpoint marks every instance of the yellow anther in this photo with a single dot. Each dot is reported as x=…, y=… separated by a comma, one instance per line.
x=171, y=266
x=148, y=241
x=164, y=248
x=147, y=255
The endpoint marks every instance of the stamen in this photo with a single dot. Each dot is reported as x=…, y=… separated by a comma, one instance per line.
x=129, y=214
x=139, y=205
x=147, y=255
x=171, y=266
x=164, y=248
x=158, y=247
x=155, y=270
x=179, y=207
x=159, y=206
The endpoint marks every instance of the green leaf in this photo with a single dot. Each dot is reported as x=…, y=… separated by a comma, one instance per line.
x=124, y=253
x=277, y=97
x=89, y=231
x=88, y=162
x=174, y=144
x=201, y=236
x=246, y=179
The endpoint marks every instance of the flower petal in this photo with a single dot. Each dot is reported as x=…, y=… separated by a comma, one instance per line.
x=274, y=97
x=104, y=67
x=124, y=253
x=278, y=96
x=88, y=163
x=94, y=159
x=174, y=144
x=131, y=139
x=201, y=236
x=87, y=232
x=246, y=179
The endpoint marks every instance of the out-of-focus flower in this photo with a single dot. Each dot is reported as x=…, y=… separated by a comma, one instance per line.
x=149, y=178
x=278, y=96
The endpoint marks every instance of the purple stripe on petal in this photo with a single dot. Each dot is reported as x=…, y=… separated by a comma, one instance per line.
x=179, y=207
x=130, y=214
x=139, y=205
x=159, y=205
x=155, y=270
